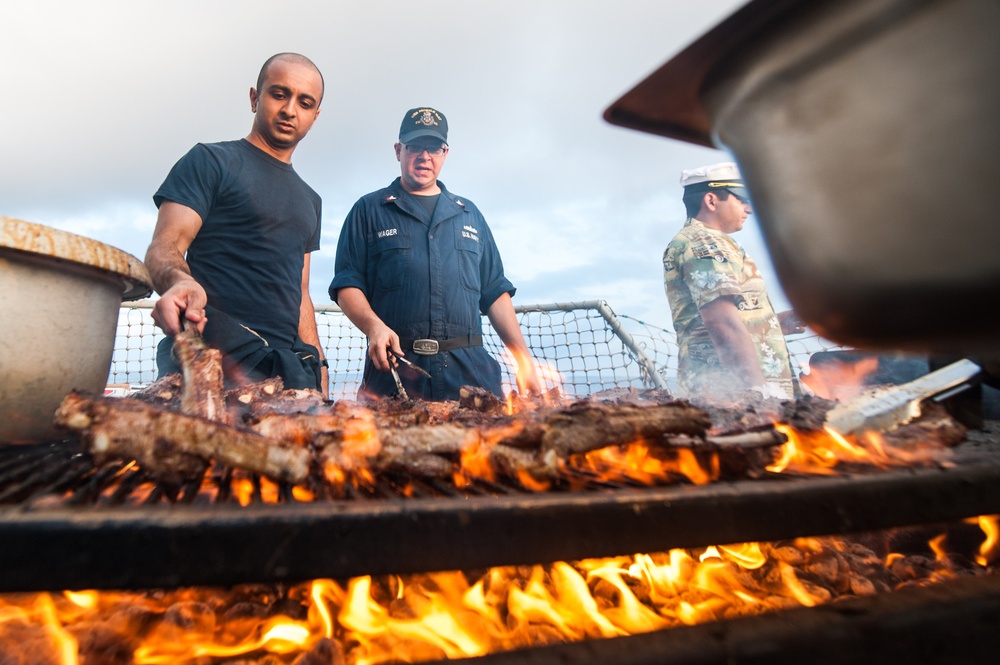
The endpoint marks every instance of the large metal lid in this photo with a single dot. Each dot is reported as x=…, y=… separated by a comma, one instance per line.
x=45, y=241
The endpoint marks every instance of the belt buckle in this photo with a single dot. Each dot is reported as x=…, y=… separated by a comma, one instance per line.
x=426, y=347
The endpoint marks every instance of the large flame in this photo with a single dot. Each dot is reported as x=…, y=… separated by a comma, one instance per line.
x=839, y=379
x=452, y=615
x=820, y=452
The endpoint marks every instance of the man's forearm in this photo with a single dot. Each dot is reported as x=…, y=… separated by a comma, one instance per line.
x=504, y=320
x=166, y=266
x=732, y=341
x=308, y=331
x=381, y=338
x=357, y=308
x=736, y=351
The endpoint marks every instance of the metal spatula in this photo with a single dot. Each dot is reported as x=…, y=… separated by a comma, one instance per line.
x=885, y=408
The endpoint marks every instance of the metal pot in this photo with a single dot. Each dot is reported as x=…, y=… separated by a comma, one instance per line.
x=59, y=298
x=867, y=133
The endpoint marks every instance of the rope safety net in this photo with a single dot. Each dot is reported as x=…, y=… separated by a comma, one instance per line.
x=582, y=347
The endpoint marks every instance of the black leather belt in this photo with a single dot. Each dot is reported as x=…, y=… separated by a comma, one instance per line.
x=431, y=347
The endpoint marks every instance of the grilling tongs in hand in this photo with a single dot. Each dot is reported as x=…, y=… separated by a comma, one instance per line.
x=413, y=366
x=395, y=374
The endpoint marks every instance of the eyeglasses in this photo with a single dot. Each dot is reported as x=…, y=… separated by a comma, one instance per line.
x=417, y=149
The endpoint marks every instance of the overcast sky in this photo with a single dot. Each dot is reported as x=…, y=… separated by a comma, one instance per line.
x=100, y=98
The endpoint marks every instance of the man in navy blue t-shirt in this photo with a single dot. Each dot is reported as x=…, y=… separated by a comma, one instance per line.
x=236, y=224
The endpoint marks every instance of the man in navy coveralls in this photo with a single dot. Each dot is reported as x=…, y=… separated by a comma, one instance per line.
x=416, y=267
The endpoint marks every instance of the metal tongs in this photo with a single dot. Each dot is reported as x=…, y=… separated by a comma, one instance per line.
x=414, y=366
x=395, y=374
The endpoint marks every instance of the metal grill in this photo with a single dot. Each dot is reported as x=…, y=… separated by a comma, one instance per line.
x=66, y=525
x=50, y=475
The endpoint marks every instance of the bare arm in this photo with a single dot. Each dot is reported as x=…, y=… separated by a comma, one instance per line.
x=732, y=341
x=504, y=320
x=307, y=324
x=380, y=336
x=180, y=295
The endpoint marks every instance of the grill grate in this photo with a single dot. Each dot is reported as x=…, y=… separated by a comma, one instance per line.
x=58, y=474
x=67, y=525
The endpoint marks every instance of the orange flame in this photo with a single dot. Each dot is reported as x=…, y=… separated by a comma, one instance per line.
x=637, y=461
x=990, y=549
x=819, y=452
x=279, y=635
x=38, y=628
x=547, y=376
x=242, y=489
x=839, y=380
x=474, y=463
x=445, y=615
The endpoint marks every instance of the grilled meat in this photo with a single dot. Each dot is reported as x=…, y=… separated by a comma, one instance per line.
x=203, y=391
x=174, y=447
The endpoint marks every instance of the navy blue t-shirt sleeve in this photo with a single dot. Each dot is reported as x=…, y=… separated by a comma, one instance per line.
x=491, y=276
x=193, y=181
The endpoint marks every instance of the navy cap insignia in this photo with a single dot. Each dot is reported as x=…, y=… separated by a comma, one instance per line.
x=426, y=117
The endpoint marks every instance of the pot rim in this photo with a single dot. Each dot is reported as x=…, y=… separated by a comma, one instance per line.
x=31, y=238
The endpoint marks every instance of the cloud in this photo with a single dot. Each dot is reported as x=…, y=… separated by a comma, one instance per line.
x=107, y=95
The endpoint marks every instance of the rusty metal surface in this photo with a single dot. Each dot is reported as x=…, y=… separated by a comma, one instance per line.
x=44, y=242
x=165, y=544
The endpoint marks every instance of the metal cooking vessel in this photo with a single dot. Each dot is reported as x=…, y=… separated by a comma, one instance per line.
x=59, y=300
x=867, y=133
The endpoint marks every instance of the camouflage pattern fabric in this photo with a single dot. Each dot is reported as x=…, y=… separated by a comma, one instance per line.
x=699, y=265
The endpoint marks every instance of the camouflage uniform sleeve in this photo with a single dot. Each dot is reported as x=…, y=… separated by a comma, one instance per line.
x=710, y=270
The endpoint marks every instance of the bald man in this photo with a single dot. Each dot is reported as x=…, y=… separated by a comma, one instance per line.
x=234, y=231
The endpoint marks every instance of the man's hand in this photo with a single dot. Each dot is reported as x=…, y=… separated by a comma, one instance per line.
x=767, y=390
x=504, y=320
x=383, y=347
x=528, y=381
x=185, y=300
x=790, y=323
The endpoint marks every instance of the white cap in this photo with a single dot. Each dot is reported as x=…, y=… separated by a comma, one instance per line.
x=724, y=175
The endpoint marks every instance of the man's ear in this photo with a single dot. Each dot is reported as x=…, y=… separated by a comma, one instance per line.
x=253, y=100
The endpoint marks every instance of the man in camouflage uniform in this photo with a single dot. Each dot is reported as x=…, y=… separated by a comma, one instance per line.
x=731, y=341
